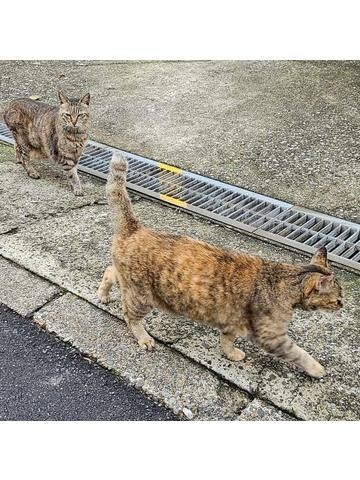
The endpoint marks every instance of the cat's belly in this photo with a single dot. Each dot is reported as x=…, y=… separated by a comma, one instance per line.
x=34, y=139
x=37, y=154
x=207, y=312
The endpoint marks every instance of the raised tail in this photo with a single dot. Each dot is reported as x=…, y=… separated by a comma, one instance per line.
x=313, y=269
x=122, y=213
x=299, y=271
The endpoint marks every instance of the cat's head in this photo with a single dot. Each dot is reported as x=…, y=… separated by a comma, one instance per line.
x=321, y=291
x=74, y=113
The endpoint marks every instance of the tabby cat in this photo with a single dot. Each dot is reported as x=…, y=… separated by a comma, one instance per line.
x=41, y=130
x=239, y=294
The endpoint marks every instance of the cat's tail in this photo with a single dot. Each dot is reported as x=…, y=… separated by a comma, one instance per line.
x=313, y=269
x=299, y=271
x=123, y=217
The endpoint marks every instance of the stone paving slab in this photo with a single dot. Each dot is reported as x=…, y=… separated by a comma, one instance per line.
x=25, y=200
x=23, y=291
x=73, y=249
x=182, y=385
x=334, y=397
x=262, y=411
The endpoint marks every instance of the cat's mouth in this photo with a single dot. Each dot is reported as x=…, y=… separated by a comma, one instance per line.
x=73, y=129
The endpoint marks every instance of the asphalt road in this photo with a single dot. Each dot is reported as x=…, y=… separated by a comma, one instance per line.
x=41, y=378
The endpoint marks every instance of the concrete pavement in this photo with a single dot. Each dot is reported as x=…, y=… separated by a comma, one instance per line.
x=284, y=129
x=287, y=129
x=187, y=373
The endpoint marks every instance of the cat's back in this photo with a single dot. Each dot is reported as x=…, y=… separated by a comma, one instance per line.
x=23, y=110
x=164, y=245
x=189, y=276
x=157, y=250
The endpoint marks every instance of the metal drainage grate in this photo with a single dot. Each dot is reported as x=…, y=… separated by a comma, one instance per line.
x=307, y=230
x=262, y=216
x=5, y=134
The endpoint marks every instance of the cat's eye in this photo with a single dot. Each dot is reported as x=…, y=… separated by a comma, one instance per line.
x=66, y=115
x=83, y=115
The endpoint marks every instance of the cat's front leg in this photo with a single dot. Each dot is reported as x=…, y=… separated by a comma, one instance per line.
x=283, y=347
x=231, y=352
x=74, y=181
x=69, y=166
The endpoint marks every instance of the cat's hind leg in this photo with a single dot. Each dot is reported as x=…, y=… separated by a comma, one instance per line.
x=22, y=153
x=134, y=311
x=108, y=280
x=227, y=338
x=17, y=154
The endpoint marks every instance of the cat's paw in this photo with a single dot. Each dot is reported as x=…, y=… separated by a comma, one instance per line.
x=316, y=370
x=34, y=175
x=103, y=298
x=78, y=191
x=147, y=343
x=235, y=355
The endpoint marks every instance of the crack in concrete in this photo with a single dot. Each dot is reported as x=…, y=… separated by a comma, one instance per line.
x=54, y=297
x=11, y=231
x=58, y=214
x=290, y=412
x=281, y=409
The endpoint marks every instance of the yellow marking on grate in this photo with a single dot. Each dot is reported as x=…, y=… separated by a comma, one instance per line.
x=174, y=201
x=170, y=168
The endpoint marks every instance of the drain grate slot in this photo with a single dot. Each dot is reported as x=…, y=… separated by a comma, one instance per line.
x=246, y=211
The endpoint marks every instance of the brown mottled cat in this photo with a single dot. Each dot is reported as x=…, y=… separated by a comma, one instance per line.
x=240, y=294
x=41, y=130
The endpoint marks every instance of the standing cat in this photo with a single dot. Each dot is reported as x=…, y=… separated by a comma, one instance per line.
x=59, y=133
x=240, y=294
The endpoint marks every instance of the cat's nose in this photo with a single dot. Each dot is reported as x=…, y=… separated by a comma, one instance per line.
x=73, y=120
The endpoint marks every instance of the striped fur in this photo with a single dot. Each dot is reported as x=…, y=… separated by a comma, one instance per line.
x=43, y=131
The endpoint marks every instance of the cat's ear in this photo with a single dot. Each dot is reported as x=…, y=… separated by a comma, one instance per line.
x=320, y=258
x=323, y=283
x=62, y=97
x=85, y=99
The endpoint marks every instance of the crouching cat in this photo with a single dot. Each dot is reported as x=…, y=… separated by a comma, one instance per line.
x=239, y=294
x=43, y=131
